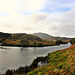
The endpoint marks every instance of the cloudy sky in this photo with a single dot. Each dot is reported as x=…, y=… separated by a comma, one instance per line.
x=55, y=17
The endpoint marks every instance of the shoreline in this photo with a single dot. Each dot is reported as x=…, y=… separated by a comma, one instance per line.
x=34, y=46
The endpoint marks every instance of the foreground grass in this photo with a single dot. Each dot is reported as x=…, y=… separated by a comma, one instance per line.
x=59, y=63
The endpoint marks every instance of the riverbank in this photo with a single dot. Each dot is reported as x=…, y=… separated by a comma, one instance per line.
x=58, y=63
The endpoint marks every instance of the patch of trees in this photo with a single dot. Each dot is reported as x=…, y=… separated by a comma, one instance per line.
x=72, y=41
x=40, y=44
x=9, y=72
x=58, y=42
x=2, y=39
x=25, y=43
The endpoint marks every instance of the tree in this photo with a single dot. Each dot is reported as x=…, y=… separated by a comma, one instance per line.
x=72, y=41
x=35, y=44
x=58, y=42
x=40, y=44
x=25, y=42
x=9, y=72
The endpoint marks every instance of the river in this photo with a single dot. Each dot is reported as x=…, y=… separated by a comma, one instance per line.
x=14, y=57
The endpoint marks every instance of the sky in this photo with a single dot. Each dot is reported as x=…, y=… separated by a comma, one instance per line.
x=54, y=17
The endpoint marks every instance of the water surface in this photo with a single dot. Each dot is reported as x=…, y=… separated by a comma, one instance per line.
x=14, y=57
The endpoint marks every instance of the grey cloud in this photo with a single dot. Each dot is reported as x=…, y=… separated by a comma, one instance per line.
x=67, y=25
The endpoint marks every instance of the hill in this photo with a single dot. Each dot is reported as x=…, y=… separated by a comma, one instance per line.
x=30, y=40
x=4, y=36
x=24, y=36
x=60, y=62
x=43, y=36
x=21, y=39
x=25, y=40
x=48, y=37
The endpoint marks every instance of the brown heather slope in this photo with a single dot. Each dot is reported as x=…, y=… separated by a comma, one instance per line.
x=59, y=63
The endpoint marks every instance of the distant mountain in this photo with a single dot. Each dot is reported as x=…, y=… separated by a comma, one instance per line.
x=44, y=36
x=35, y=36
x=61, y=38
x=48, y=37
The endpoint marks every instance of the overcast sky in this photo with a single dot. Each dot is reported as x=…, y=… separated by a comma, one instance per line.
x=55, y=17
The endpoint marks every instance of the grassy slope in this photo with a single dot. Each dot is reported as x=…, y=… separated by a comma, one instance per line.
x=60, y=63
x=9, y=42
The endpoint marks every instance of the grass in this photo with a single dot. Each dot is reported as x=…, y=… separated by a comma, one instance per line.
x=59, y=63
x=34, y=43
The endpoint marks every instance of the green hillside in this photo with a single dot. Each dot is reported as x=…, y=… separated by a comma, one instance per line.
x=21, y=39
x=21, y=36
x=4, y=35
x=59, y=63
x=25, y=40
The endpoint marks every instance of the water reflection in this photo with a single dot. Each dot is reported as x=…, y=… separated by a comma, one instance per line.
x=21, y=49
x=3, y=47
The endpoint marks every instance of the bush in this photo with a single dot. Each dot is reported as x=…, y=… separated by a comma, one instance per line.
x=24, y=42
x=9, y=72
x=58, y=42
x=72, y=41
x=40, y=44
